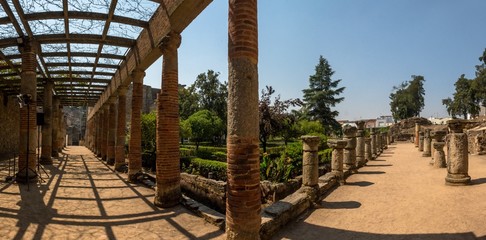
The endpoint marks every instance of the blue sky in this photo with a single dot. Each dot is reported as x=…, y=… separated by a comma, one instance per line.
x=371, y=45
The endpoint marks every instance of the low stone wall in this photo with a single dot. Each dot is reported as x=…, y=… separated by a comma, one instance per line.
x=477, y=141
x=207, y=191
x=9, y=126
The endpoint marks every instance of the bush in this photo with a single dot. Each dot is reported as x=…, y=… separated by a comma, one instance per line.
x=325, y=156
x=275, y=170
x=203, y=167
x=293, y=156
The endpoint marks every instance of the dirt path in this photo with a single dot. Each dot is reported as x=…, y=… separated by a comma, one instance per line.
x=84, y=199
x=399, y=196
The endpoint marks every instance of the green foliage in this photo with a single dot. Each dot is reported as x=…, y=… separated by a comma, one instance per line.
x=322, y=95
x=325, y=156
x=188, y=101
x=203, y=167
x=148, y=122
x=275, y=170
x=185, y=130
x=205, y=125
x=313, y=128
x=407, y=100
x=213, y=94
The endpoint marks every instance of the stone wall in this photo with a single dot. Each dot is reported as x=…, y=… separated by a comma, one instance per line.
x=148, y=100
x=9, y=125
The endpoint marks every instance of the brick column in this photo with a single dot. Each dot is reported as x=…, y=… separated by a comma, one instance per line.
x=111, y=137
x=168, y=191
x=99, y=130
x=368, y=155
x=310, y=165
x=55, y=126
x=104, y=131
x=243, y=202
x=120, y=131
x=46, y=151
x=360, y=144
x=374, y=154
x=350, y=149
x=135, y=144
x=458, y=161
x=28, y=115
x=337, y=158
x=427, y=143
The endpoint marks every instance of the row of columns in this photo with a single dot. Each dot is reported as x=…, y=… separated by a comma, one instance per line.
x=432, y=144
x=53, y=130
x=243, y=196
x=354, y=150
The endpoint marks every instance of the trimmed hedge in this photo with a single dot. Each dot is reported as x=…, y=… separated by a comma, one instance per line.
x=203, y=167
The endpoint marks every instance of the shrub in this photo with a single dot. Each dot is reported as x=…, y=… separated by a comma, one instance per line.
x=203, y=167
x=275, y=170
x=325, y=156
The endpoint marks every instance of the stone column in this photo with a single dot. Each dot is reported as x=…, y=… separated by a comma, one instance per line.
x=378, y=143
x=168, y=191
x=243, y=202
x=55, y=126
x=135, y=144
x=416, y=135
x=337, y=158
x=437, y=136
x=350, y=149
x=120, y=131
x=111, y=137
x=458, y=162
x=427, y=143
x=360, y=144
x=46, y=151
x=368, y=155
x=104, y=131
x=310, y=165
x=28, y=115
x=374, y=154
x=440, y=159
x=421, y=141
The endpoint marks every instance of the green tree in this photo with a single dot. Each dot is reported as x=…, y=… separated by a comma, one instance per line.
x=322, y=95
x=407, y=99
x=188, y=101
x=273, y=116
x=185, y=130
x=213, y=94
x=148, y=131
x=205, y=125
x=479, y=83
x=465, y=98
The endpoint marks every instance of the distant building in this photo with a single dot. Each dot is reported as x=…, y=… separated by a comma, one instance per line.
x=439, y=121
x=384, y=121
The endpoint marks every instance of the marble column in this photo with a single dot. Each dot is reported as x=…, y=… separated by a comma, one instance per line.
x=337, y=158
x=120, y=128
x=28, y=114
x=46, y=151
x=440, y=158
x=168, y=191
x=368, y=155
x=111, y=137
x=427, y=143
x=360, y=144
x=421, y=141
x=310, y=165
x=374, y=154
x=458, y=161
x=135, y=144
x=350, y=149
x=243, y=201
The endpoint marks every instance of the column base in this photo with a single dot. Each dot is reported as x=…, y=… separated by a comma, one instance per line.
x=426, y=154
x=110, y=161
x=121, y=167
x=45, y=160
x=23, y=177
x=133, y=175
x=457, y=179
x=350, y=168
x=169, y=197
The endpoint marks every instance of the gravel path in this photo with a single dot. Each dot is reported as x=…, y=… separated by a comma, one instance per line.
x=399, y=196
x=84, y=199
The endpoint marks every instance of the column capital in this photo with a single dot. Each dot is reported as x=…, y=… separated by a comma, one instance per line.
x=311, y=143
x=170, y=43
x=137, y=76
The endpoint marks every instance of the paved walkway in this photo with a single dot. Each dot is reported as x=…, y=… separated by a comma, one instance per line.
x=84, y=199
x=399, y=196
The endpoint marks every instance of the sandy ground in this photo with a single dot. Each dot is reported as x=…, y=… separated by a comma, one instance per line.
x=84, y=199
x=399, y=196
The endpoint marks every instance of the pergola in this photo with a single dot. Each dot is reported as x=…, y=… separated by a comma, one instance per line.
x=86, y=53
